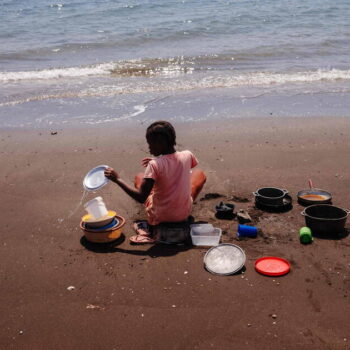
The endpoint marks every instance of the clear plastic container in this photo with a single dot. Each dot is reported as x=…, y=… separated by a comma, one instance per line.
x=205, y=235
x=202, y=228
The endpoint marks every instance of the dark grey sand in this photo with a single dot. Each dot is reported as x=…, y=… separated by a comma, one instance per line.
x=161, y=297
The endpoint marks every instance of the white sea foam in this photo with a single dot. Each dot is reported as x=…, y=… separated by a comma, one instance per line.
x=163, y=82
x=171, y=70
x=56, y=73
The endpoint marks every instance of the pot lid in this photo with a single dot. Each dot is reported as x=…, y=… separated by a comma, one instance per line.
x=224, y=259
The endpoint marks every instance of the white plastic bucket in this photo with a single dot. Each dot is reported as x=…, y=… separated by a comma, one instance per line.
x=96, y=208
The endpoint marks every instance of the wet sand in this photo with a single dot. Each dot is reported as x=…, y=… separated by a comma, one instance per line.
x=161, y=297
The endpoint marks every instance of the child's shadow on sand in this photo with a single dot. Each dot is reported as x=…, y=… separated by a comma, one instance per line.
x=153, y=251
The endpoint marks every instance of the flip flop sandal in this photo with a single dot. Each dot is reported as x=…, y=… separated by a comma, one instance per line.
x=141, y=228
x=139, y=239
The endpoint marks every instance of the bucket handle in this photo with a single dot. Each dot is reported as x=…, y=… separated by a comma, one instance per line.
x=256, y=194
x=303, y=213
x=285, y=191
x=347, y=210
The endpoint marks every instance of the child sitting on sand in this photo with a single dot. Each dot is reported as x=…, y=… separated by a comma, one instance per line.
x=168, y=186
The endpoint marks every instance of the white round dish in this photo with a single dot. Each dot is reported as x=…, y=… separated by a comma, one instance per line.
x=95, y=178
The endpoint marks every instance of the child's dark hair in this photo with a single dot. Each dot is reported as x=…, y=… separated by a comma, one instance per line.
x=164, y=129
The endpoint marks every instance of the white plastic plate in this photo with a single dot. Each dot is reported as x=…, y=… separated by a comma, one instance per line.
x=95, y=178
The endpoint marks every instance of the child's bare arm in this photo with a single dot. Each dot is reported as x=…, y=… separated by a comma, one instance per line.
x=140, y=194
x=145, y=161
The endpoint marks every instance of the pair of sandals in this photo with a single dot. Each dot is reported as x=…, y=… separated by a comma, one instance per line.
x=143, y=234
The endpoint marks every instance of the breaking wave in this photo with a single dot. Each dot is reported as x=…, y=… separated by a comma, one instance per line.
x=157, y=75
x=217, y=70
x=57, y=73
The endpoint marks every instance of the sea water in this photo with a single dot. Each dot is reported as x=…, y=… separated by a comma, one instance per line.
x=98, y=61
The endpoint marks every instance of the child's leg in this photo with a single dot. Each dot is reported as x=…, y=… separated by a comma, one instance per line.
x=142, y=228
x=138, y=180
x=198, y=180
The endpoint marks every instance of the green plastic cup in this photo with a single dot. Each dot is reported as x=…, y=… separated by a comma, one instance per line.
x=305, y=235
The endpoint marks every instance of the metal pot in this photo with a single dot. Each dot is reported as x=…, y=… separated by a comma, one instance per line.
x=270, y=195
x=224, y=210
x=314, y=196
x=325, y=219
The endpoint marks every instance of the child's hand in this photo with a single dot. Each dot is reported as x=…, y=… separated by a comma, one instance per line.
x=111, y=174
x=145, y=161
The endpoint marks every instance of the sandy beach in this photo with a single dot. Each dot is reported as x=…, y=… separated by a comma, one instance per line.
x=161, y=297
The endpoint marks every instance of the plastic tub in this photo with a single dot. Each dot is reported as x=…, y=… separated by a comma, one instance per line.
x=104, y=236
x=202, y=228
x=205, y=236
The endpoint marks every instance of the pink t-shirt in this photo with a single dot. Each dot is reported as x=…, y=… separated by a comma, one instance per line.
x=170, y=199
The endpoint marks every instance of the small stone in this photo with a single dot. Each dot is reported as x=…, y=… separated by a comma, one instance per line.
x=142, y=315
x=274, y=322
x=70, y=288
x=173, y=305
x=243, y=217
x=21, y=332
x=249, y=324
x=94, y=307
x=186, y=272
x=274, y=316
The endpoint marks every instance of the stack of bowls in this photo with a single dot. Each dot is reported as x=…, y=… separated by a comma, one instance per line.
x=105, y=229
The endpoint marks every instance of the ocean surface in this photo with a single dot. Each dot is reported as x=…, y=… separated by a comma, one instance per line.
x=105, y=61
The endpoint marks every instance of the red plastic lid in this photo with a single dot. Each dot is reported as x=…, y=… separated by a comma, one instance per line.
x=272, y=266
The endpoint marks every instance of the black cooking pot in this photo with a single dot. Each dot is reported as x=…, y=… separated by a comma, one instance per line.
x=270, y=195
x=325, y=219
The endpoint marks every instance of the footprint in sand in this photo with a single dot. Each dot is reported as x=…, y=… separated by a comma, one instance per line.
x=314, y=302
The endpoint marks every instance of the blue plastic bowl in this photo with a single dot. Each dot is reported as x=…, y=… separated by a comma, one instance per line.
x=114, y=222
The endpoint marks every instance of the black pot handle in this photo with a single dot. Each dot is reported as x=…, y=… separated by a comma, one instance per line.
x=303, y=213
